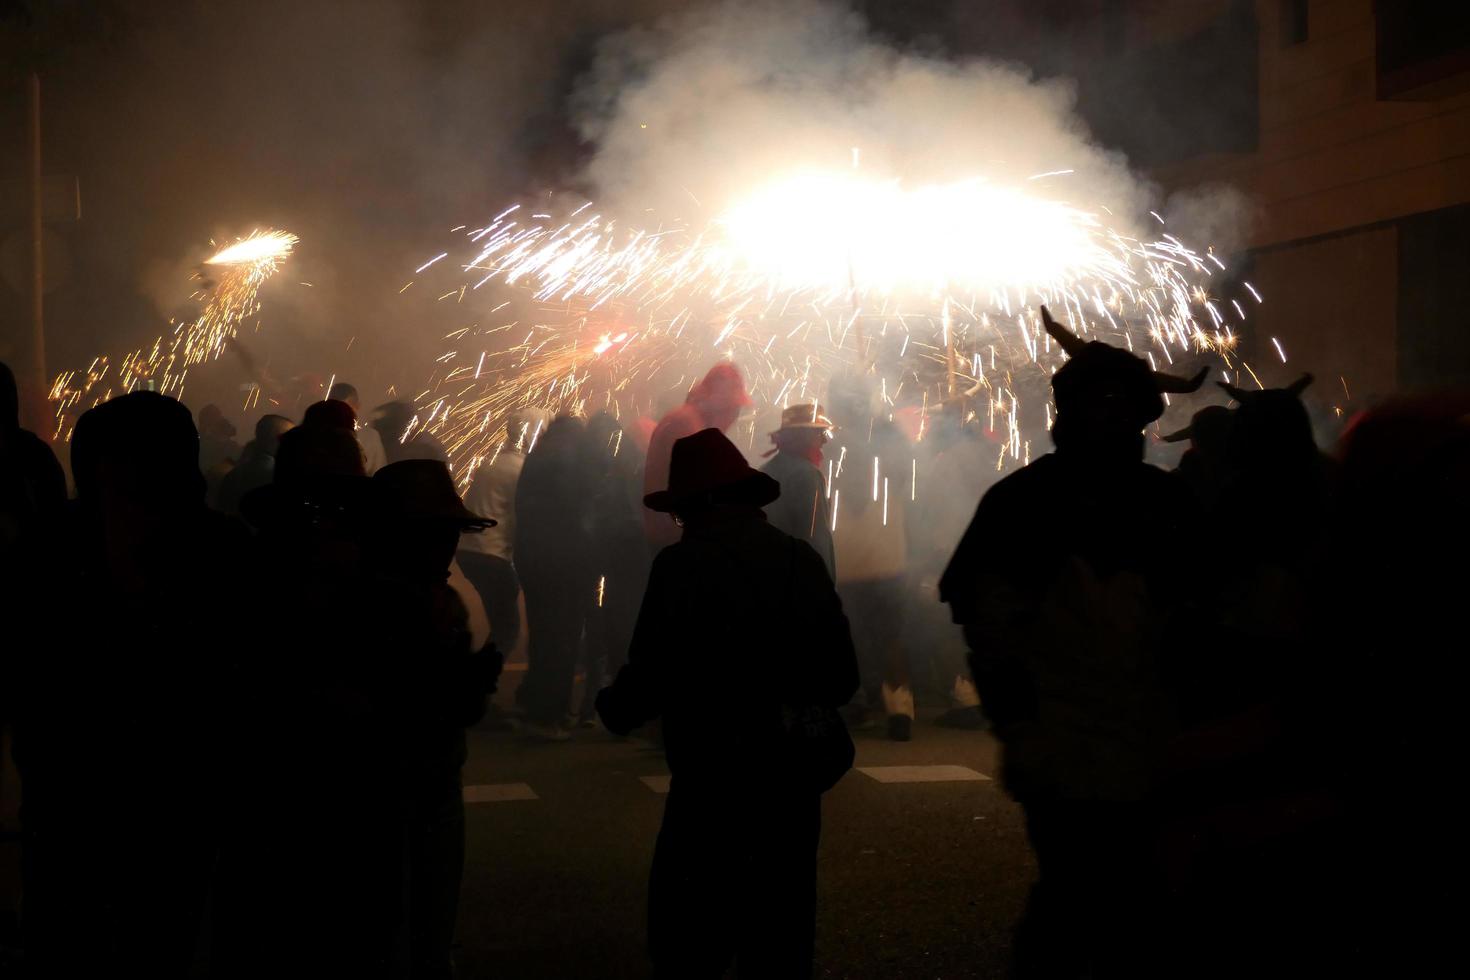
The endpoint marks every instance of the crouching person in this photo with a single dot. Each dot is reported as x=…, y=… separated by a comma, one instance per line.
x=742, y=649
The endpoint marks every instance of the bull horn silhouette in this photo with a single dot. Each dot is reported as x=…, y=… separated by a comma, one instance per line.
x=1175, y=385
x=1238, y=394
x=1069, y=341
x=1300, y=384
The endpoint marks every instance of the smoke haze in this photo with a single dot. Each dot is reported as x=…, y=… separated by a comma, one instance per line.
x=705, y=104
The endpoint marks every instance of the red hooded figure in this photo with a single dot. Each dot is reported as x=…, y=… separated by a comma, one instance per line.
x=714, y=403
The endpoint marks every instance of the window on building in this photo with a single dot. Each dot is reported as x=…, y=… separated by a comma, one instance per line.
x=1423, y=49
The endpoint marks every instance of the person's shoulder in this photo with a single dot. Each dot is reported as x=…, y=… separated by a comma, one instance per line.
x=679, y=422
x=1038, y=472
x=34, y=447
x=785, y=465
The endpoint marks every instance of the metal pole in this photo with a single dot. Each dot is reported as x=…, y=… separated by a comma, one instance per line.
x=38, y=258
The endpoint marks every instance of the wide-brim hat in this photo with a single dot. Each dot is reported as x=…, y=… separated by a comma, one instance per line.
x=706, y=469
x=422, y=489
x=797, y=417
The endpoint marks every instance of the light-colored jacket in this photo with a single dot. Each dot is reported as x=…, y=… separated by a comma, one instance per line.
x=493, y=495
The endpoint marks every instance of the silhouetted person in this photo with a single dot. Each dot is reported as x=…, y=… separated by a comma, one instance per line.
x=32, y=485
x=130, y=710
x=870, y=540
x=32, y=507
x=1065, y=585
x=257, y=463
x=715, y=402
x=955, y=465
x=488, y=557
x=620, y=556
x=403, y=436
x=1256, y=790
x=1393, y=636
x=740, y=628
x=801, y=510
x=300, y=893
x=555, y=563
x=429, y=684
x=373, y=455
x=218, y=450
x=1205, y=465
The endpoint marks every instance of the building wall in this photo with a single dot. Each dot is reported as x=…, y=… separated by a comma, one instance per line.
x=1341, y=180
x=1332, y=156
x=1332, y=302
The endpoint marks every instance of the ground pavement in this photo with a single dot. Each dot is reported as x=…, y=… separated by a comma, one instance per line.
x=923, y=866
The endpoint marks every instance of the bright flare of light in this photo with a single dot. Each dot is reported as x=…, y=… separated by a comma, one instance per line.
x=827, y=232
x=228, y=295
x=803, y=280
x=257, y=247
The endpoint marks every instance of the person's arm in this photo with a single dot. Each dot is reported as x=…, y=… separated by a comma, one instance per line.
x=636, y=695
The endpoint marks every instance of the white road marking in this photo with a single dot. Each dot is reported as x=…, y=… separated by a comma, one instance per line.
x=499, y=793
x=922, y=774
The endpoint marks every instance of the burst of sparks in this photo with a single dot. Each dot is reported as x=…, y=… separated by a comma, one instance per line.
x=805, y=279
x=229, y=283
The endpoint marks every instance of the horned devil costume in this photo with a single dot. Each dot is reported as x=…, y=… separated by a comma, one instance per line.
x=1065, y=588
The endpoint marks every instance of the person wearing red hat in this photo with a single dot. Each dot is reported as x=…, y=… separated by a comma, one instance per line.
x=740, y=632
x=715, y=402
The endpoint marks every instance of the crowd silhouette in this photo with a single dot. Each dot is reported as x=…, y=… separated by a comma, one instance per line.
x=237, y=680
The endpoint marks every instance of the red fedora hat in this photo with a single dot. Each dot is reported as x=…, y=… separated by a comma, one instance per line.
x=706, y=467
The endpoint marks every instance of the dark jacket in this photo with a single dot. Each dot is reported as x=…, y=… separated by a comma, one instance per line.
x=1067, y=585
x=801, y=510
x=739, y=619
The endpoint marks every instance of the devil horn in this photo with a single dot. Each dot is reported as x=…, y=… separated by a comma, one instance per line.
x=1180, y=386
x=1300, y=384
x=1234, y=392
x=1070, y=342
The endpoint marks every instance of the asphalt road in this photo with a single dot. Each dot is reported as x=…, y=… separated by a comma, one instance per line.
x=920, y=879
x=916, y=879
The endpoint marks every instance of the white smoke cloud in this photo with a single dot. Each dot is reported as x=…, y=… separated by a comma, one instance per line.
x=697, y=109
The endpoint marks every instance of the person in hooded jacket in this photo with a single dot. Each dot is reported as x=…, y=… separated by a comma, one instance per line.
x=1066, y=587
x=740, y=624
x=715, y=402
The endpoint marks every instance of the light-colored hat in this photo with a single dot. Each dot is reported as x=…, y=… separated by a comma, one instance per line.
x=808, y=416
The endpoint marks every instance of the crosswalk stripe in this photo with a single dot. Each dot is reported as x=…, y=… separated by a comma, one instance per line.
x=922, y=774
x=499, y=793
x=659, y=784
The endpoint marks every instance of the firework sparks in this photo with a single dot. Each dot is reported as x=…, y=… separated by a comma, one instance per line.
x=803, y=280
x=229, y=283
